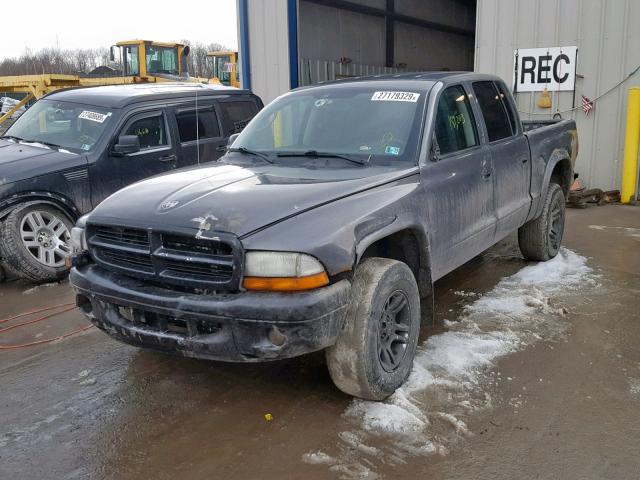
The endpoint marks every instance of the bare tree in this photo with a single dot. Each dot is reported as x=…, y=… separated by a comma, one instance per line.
x=83, y=61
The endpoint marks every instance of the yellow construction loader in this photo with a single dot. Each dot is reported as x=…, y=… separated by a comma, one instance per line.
x=142, y=61
x=225, y=67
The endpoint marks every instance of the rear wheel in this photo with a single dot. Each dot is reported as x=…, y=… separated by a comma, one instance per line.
x=374, y=353
x=35, y=242
x=540, y=239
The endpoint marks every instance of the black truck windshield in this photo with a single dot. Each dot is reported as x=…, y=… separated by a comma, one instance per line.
x=71, y=126
x=361, y=123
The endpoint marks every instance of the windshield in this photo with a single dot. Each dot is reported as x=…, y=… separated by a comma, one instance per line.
x=367, y=123
x=162, y=60
x=72, y=126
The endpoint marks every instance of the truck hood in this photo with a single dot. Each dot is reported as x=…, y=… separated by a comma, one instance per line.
x=19, y=161
x=235, y=199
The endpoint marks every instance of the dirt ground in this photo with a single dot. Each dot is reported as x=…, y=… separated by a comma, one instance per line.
x=564, y=404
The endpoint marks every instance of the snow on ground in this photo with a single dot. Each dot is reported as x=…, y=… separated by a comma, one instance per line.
x=451, y=370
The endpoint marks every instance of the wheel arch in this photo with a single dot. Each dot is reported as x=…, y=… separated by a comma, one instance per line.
x=34, y=198
x=410, y=245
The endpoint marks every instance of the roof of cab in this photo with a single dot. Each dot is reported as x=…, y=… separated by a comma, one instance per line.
x=119, y=96
x=420, y=79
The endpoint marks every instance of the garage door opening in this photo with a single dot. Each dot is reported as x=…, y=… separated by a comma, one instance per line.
x=340, y=39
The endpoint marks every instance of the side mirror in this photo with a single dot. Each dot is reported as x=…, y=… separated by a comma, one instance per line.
x=112, y=53
x=127, y=144
x=232, y=139
x=434, y=154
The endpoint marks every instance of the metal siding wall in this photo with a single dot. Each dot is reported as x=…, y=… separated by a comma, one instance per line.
x=329, y=33
x=607, y=39
x=268, y=48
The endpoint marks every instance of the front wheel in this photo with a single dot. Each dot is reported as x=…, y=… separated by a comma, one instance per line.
x=35, y=241
x=540, y=238
x=374, y=353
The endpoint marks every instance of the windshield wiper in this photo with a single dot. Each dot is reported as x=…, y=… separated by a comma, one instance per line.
x=316, y=154
x=48, y=144
x=246, y=151
x=12, y=137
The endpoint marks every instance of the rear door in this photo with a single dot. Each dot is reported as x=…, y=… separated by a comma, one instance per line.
x=458, y=185
x=510, y=154
x=199, y=133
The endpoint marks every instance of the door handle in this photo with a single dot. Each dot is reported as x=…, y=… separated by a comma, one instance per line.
x=486, y=173
x=525, y=159
x=167, y=158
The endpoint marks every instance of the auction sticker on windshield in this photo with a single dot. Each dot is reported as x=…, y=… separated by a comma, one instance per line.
x=395, y=97
x=94, y=116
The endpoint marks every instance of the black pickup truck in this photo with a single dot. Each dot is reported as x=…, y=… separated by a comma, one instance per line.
x=326, y=224
x=74, y=148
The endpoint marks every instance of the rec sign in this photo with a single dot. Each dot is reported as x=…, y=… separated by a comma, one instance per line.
x=538, y=68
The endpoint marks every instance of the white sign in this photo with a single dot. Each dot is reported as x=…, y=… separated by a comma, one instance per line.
x=395, y=97
x=94, y=116
x=538, y=68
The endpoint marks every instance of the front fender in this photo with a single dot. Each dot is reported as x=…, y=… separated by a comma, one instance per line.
x=36, y=197
x=339, y=232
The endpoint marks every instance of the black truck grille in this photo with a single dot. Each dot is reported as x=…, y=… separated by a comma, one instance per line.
x=168, y=259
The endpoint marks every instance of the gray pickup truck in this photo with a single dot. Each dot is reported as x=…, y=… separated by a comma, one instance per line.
x=325, y=225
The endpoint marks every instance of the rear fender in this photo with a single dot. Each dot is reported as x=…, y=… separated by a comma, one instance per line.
x=557, y=156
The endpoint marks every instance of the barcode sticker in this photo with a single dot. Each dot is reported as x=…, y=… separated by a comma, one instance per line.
x=94, y=116
x=395, y=97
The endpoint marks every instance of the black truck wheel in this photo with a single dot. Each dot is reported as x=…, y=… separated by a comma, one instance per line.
x=374, y=353
x=540, y=238
x=35, y=242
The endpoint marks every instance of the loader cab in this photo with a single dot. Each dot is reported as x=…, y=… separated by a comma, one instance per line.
x=225, y=67
x=142, y=58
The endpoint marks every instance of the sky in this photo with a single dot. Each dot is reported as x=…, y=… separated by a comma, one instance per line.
x=91, y=24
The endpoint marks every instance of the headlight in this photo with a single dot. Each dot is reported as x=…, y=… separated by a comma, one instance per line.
x=283, y=272
x=78, y=237
x=78, y=240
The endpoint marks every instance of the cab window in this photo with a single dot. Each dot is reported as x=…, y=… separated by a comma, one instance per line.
x=131, y=60
x=162, y=60
x=150, y=130
x=493, y=111
x=455, y=126
x=238, y=114
x=192, y=127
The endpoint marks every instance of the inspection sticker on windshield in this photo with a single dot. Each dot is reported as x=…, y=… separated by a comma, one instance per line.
x=94, y=116
x=395, y=97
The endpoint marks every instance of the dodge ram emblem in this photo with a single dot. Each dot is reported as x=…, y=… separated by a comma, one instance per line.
x=168, y=204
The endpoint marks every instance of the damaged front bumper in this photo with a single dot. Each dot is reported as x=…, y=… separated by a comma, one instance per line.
x=239, y=327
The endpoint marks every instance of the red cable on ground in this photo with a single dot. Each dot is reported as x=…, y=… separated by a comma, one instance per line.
x=45, y=309
x=70, y=306
x=36, y=320
x=48, y=340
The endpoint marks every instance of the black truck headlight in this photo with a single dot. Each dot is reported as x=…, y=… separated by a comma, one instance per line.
x=283, y=272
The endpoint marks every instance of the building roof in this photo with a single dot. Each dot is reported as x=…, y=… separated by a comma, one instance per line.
x=119, y=96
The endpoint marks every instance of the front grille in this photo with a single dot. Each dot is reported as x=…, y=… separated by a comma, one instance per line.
x=168, y=259
x=126, y=259
x=126, y=236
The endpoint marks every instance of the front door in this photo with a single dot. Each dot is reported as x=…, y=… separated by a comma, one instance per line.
x=458, y=186
x=157, y=154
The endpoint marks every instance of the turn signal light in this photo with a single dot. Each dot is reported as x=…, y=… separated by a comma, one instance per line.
x=286, y=284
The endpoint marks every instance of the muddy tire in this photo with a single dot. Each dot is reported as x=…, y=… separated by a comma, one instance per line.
x=374, y=353
x=35, y=240
x=540, y=239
